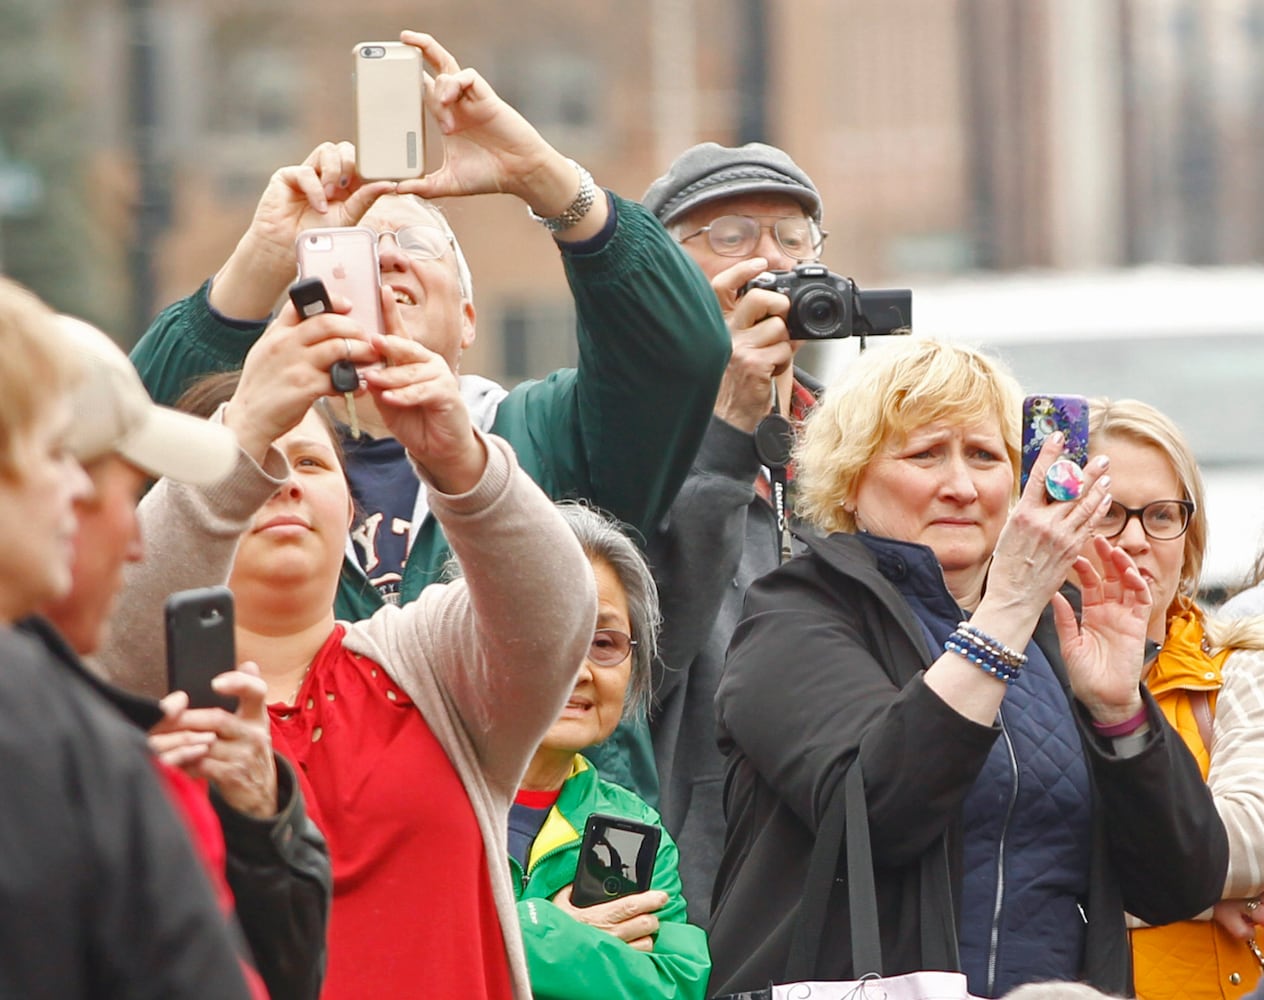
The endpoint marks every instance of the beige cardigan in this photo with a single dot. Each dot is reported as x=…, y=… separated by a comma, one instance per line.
x=488, y=659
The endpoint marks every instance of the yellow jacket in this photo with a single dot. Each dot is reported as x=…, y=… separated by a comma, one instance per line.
x=1193, y=959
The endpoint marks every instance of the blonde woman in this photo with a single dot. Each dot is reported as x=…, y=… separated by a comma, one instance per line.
x=1208, y=679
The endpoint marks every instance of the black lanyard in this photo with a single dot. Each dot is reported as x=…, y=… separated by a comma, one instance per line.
x=774, y=438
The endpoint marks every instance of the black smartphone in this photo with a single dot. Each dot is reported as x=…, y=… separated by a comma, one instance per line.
x=310, y=298
x=200, y=644
x=616, y=859
x=1044, y=414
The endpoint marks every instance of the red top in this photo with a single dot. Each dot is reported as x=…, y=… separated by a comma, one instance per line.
x=413, y=913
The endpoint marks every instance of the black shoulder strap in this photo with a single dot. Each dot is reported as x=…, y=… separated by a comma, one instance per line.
x=846, y=816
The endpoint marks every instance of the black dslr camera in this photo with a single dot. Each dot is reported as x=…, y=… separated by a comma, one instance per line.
x=827, y=306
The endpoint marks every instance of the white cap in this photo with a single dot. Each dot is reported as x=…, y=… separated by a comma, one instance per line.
x=114, y=414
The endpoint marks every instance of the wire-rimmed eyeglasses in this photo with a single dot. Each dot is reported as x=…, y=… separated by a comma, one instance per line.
x=610, y=647
x=421, y=242
x=738, y=235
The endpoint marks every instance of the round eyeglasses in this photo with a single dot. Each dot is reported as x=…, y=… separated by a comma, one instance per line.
x=1161, y=520
x=421, y=242
x=610, y=647
x=738, y=235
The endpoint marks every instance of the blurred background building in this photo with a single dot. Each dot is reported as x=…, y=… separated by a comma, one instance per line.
x=946, y=136
x=961, y=147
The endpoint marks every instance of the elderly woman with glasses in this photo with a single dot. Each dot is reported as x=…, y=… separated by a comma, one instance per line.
x=1208, y=679
x=634, y=945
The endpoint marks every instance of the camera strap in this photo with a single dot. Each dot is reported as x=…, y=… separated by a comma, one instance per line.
x=774, y=438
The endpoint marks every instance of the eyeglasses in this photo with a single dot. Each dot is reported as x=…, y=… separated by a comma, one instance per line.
x=1161, y=520
x=421, y=242
x=610, y=647
x=738, y=235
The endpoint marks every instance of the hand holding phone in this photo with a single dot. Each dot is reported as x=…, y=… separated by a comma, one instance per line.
x=616, y=858
x=311, y=299
x=390, y=134
x=1042, y=416
x=200, y=644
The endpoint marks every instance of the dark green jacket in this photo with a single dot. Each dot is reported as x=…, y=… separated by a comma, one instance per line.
x=620, y=430
x=570, y=960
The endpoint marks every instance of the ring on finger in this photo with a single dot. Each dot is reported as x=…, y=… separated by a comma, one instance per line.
x=1252, y=904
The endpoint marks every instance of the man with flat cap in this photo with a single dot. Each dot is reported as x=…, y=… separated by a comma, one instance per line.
x=737, y=211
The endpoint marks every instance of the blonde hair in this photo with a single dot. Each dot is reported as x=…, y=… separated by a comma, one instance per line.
x=886, y=395
x=1143, y=424
x=37, y=367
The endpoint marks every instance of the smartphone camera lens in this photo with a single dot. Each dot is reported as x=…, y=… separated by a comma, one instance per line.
x=373, y=52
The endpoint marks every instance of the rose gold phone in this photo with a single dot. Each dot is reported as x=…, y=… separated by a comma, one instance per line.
x=390, y=136
x=345, y=259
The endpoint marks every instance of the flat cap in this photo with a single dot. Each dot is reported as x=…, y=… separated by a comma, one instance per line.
x=708, y=171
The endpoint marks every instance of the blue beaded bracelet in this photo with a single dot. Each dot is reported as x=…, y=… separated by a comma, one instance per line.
x=1010, y=657
x=981, y=656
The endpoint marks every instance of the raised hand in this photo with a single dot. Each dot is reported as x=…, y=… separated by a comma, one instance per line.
x=761, y=344
x=488, y=147
x=1105, y=650
x=323, y=190
x=287, y=370
x=1042, y=539
x=418, y=397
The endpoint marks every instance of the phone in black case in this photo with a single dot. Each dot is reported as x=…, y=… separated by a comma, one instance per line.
x=200, y=644
x=616, y=859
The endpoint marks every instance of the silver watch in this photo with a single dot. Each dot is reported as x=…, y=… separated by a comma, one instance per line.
x=576, y=210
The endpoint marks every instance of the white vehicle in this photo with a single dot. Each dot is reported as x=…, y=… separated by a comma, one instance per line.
x=1189, y=341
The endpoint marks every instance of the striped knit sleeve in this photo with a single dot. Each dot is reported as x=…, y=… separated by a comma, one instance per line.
x=1236, y=777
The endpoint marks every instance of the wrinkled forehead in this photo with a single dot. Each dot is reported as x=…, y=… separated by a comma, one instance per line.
x=757, y=205
x=395, y=211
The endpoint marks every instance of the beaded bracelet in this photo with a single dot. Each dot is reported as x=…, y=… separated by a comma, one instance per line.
x=1010, y=657
x=965, y=645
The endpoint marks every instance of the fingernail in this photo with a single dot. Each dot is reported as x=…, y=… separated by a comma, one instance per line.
x=329, y=190
x=1105, y=481
x=1057, y=437
x=1103, y=461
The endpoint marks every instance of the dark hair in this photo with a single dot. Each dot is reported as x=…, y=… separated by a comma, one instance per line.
x=208, y=393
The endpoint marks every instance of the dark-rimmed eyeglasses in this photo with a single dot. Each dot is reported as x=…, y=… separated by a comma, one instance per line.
x=610, y=647
x=420, y=242
x=1161, y=520
x=738, y=235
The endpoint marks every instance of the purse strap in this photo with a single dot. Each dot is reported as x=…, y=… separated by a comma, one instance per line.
x=846, y=817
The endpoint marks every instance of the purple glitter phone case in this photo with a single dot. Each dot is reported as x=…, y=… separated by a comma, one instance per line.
x=1042, y=415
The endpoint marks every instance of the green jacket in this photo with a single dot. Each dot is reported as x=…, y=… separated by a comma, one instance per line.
x=569, y=960
x=620, y=430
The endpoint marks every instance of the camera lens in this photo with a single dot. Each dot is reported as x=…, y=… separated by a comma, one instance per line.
x=373, y=52
x=820, y=312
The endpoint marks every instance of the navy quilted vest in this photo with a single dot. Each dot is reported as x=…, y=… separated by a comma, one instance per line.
x=1027, y=820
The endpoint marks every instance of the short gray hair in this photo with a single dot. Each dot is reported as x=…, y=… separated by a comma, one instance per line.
x=463, y=275
x=602, y=538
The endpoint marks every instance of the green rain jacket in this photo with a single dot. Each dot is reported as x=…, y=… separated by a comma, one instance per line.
x=570, y=960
